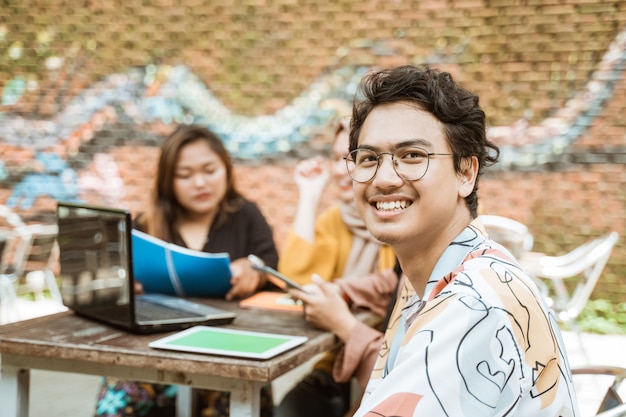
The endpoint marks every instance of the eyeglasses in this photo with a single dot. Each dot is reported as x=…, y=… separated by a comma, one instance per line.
x=410, y=164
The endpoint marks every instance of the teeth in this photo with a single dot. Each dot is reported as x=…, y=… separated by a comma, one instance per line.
x=391, y=205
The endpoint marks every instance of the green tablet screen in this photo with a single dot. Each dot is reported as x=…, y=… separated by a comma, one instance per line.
x=230, y=342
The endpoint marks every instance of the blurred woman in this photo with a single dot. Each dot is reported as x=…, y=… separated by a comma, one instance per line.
x=195, y=204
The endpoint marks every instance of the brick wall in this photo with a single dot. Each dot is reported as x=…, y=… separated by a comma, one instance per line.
x=551, y=76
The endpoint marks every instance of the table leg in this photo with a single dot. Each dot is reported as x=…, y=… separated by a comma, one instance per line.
x=245, y=401
x=14, y=391
x=184, y=401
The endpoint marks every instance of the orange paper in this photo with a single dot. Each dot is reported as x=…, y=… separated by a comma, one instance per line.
x=271, y=300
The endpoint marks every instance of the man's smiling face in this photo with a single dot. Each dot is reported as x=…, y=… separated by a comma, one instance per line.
x=401, y=212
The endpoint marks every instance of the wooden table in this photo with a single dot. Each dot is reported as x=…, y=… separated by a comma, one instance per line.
x=68, y=343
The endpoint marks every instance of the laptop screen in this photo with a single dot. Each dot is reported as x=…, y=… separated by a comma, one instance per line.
x=95, y=273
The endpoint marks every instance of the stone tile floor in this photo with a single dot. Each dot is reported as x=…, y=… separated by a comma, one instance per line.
x=55, y=394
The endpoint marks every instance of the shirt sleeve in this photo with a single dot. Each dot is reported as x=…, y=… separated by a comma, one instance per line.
x=372, y=291
x=357, y=357
x=326, y=256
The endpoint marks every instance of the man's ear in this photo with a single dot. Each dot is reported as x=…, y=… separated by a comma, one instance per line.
x=468, y=175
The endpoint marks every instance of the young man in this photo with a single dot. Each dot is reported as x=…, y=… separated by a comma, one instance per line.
x=476, y=339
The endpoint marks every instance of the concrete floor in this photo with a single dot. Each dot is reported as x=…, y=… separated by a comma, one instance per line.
x=55, y=394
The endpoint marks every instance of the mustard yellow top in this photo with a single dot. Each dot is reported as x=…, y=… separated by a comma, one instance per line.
x=327, y=256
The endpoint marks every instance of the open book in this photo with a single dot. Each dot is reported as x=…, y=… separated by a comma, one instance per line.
x=166, y=268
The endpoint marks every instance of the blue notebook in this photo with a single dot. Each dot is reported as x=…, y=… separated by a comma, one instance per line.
x=166, y=268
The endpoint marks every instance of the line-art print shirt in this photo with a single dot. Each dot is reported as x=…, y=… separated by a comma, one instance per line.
x=481, y=342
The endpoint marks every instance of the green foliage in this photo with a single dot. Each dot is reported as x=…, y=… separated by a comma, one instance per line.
x=604, y=317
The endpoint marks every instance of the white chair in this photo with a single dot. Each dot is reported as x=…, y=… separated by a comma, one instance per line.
x=568, y=280
x=619, y=411
x=605, y=385
x=11, y=218
x=36, y=251
x=510, y=233
x=28, y=264
x=8, y=296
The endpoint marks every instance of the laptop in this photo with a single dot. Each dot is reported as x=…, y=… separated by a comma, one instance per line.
x=97, y=281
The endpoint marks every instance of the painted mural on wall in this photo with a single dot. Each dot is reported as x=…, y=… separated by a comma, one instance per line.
x=56, y=180
x=169, y=95
x=173, y=95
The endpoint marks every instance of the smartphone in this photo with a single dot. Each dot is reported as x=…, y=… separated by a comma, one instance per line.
x=278, y=279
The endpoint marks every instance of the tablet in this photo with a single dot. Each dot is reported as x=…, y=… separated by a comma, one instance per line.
x=228, y=342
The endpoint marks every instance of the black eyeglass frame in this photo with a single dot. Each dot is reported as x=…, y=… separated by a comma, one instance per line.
x=379, y=160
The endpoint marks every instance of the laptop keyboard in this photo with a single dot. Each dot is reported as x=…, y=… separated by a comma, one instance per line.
x=148, y=311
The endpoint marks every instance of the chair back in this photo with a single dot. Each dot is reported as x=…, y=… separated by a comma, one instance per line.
x=4, y=246
x=8, y=295
x=610, y=401
x=619, y=411
x=33, y=260
x=35, y=248
x=510, y=233
x=585, y=263
x=10, y=223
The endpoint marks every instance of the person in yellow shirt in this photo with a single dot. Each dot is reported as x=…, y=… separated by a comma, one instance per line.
x=350, y=268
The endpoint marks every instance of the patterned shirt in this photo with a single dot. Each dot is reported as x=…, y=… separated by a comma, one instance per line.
x=480, y=343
